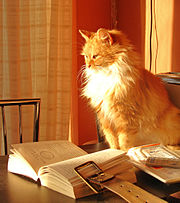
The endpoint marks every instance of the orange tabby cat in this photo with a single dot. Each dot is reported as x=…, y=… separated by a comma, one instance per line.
x=131, y=103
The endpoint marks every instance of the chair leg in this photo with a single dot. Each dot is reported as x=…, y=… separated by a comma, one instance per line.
x=20, y=124
x=4, y=130
x=36, y=122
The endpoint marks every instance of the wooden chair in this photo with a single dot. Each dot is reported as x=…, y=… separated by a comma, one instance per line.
x=19, y=103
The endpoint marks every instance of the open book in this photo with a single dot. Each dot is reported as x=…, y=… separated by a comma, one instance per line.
x=158, y=161
x=53, y=163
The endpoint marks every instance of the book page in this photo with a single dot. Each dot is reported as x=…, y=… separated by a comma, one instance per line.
x=164, y=174
x=155, y=155
x=39, y=154
x=18, y=165
x=163, y=157
x=62, y=178
x=66, y=168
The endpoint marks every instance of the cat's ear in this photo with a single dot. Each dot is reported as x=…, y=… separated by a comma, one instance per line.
x=85, y=34
x=104, y=35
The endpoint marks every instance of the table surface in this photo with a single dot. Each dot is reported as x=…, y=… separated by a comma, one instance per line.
x=16, y=189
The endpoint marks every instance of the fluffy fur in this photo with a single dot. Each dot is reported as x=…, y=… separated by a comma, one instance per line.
x=131, y=103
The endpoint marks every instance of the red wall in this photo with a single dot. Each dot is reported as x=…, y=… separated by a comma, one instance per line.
x=131, y=19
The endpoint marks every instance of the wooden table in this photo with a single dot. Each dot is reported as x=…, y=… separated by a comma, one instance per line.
x=17, y=189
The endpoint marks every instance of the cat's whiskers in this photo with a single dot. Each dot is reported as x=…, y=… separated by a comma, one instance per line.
x=81, y=73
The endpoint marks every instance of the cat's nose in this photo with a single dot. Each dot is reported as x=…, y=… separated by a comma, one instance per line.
x=88, y=65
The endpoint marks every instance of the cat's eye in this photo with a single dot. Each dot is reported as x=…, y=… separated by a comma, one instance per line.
x=95, y=56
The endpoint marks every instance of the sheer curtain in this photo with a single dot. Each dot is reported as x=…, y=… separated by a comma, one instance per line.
x=35, y=59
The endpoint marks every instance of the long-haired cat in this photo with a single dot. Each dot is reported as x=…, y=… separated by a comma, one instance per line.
x=131, y=103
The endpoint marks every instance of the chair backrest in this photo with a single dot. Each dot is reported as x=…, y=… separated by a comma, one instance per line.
x=19, y=103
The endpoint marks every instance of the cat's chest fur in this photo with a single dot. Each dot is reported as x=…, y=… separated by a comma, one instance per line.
x=101, y=84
